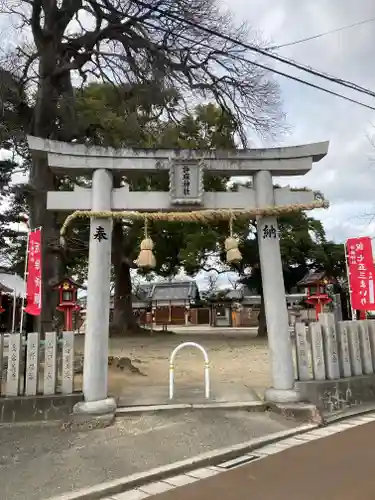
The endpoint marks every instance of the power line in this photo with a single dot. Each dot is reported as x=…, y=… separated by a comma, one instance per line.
x=320, y=35
x=258, y=50
x=266, y=68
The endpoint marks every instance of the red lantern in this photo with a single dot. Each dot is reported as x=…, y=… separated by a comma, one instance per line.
x=316, y=289
x=319, y=297
x=68, y=289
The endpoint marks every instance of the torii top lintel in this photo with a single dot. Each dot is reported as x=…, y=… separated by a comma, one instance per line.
x=75, y=159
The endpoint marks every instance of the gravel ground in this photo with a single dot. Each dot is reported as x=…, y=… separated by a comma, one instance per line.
x=242, y=361
x=39, y=461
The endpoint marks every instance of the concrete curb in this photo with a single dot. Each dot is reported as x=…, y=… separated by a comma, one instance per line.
x=203, y=460
x=360, y=410
x=257, y=406
x=299, y=412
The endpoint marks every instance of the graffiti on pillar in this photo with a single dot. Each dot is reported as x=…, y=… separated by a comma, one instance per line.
x=186, y=180
x=338, y=399
x=100, y=234
x=269, y=231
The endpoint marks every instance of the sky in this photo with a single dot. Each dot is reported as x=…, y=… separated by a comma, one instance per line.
x=346, y=175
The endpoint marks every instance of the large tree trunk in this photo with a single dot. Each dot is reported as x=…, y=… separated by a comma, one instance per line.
x=262, y=326
x=123, y=321
x=42, y=180
x=53, y=117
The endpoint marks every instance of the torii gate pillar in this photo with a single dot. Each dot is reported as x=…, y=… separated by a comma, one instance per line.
x=95, y=369
x=279, y=341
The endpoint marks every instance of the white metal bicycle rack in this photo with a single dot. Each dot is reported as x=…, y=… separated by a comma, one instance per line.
x=206, y=368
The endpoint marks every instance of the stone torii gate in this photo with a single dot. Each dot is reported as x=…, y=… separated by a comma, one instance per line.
x=186, y=168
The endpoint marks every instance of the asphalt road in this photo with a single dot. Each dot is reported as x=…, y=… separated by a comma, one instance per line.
x=338, y=467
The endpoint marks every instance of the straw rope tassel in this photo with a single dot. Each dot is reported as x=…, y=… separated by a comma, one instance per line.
x=146, y=258
x=231, y=246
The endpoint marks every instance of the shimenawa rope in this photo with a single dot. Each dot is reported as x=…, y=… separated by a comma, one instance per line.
x=146, y=258
x=202, y=216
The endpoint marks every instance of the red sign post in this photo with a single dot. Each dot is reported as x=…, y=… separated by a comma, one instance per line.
x=361, y=273
x=34, y=273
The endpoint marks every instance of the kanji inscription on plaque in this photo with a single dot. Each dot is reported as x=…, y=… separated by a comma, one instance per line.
x=186, y=184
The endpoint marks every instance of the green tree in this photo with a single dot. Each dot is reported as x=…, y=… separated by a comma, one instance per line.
x=13, y=216
x=122, y=117
x=15, y=113
x=124, y=42
x=303, y=246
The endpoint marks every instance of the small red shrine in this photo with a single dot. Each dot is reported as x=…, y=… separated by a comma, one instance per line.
x=68, y=290
x=315, y=284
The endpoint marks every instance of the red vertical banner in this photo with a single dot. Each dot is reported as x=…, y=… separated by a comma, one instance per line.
x=34, y=273
x=361, y=272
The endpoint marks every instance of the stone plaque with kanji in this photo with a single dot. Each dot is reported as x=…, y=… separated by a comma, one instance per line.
x=186, y=184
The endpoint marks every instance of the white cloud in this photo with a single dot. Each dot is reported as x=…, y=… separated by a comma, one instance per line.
x=346, y=175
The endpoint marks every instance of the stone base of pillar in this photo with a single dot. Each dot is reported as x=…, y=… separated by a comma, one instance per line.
x=88, y=415
x=282, y=395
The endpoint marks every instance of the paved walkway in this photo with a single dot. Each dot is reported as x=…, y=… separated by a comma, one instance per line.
x=39, y=461
x=337, y=467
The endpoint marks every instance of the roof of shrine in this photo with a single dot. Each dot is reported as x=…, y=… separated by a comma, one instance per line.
x=174, y=291
x=58, y=283
x=142, y=291
x=314, y=277
x=12, y=283
x=165, y=291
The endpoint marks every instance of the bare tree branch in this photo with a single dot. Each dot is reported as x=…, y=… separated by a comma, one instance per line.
x=122, y=42
x=66, y=43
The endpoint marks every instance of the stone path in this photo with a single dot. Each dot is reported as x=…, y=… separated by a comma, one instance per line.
x=40, y=461
x=332, y=463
